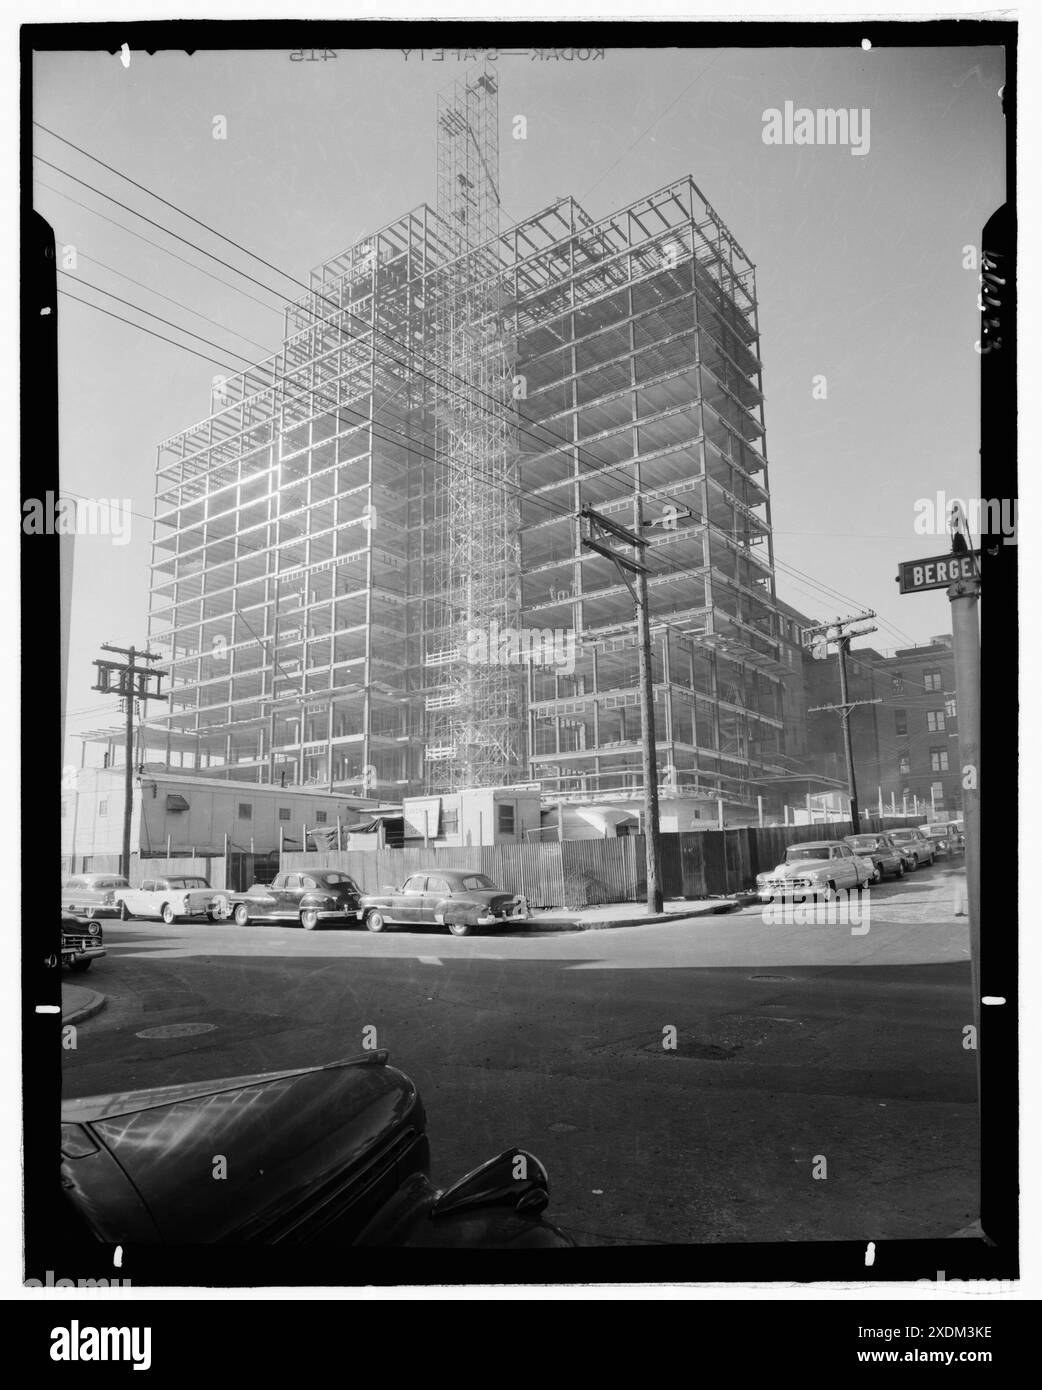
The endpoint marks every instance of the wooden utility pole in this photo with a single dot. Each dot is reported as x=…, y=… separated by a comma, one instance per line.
x=838, y=633
x=131, y=682
x=627, y=567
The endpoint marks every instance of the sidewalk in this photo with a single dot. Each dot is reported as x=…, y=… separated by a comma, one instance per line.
x=608, y=915
x=79, y=1004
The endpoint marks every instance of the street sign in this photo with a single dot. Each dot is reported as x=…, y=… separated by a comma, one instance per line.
x=937, y=572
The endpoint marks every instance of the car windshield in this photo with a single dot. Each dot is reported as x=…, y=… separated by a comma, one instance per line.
x=869, y=842
x=796, y=852
x=476, y=882
x=902, y=836
x=188, y=883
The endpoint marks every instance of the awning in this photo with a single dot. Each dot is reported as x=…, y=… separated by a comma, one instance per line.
x=606, y=820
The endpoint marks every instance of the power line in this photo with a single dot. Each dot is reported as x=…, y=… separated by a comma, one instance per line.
x=604, y=465
x=159, y=319
x=270, y=308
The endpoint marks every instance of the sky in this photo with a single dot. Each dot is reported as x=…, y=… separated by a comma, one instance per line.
x=861, y=263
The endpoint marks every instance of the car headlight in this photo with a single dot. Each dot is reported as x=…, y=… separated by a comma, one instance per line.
x=94, y=928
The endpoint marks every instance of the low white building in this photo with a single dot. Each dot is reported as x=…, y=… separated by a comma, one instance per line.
x=476, y=816
x=178, y=814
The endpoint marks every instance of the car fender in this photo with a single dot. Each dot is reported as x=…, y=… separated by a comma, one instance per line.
x=471, y=911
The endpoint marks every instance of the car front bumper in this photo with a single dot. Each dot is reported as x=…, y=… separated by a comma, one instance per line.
x=88, y=953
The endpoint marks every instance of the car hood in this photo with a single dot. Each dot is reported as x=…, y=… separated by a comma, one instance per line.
x=800, y=866
x=290, y=1140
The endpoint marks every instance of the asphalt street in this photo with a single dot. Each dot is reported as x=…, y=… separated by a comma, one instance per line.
x=818, y=1088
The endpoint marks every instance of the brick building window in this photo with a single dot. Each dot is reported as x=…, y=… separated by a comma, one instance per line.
x=938, y=760
x=283, y=813
x=506, y=818
x=321, y=817
x=935, y=721
x=904, y=765
x=103, y=808
x=900, y=721
x=245, y=810
x=932, y=680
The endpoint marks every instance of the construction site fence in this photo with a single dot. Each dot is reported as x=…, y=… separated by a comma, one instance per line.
x=583, y=873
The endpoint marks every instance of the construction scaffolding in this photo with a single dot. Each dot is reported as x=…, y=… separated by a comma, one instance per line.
x=474, y=712
x=342, y=544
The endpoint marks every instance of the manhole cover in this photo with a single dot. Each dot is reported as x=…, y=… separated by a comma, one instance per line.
x=770, y=977
x=177, y=1030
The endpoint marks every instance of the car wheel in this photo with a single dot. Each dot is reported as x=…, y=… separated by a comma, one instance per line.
x=211, y=916
x=124, y=912
x=374, y=921
x=167, y=913
x=309, y=919
x=901, y=869
x=241, y=915
x=458, y=926
x=80, y=965
x=877, y=876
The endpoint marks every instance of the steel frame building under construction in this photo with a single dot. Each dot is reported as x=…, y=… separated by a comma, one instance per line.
x=367, y=562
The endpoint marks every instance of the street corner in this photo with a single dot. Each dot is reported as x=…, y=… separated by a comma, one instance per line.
x=79, y=1004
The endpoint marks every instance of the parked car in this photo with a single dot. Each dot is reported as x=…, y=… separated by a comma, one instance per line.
x=330, y=1155
x=914, y=842
x=945, y=839
x=92, y=895
x=82, y=941
x=309, y=898
x=881, y=852
x=815, y=868
x=168, y=898
x=459, y=899
x=956, y=835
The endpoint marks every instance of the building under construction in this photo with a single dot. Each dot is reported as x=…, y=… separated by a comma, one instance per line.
x=368, y=571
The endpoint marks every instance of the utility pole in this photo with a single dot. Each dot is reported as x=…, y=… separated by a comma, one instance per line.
x=131, y=682
x=838, y=633
x=964, y=596
x=606, y=529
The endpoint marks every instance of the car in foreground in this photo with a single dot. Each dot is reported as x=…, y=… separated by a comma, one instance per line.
x=331, y=1155
x=816, y=868
x=82, y=941
x=92, y=895
x=460, y=899
x=310, y=898
x=167, y=898
x=881, y=852
x=915, y=844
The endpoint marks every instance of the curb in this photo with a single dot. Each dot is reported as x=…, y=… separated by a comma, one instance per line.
x=93, y=1004
x=572, y=924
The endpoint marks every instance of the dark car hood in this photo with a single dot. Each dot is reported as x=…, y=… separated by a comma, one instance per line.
x=291, y=1141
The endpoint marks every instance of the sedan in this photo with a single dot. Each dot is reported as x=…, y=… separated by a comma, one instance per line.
x=92, y=895
x=825, y=867
x=167, y=898
x=881, y=852
x=455, y=898
x=325, y=1157
x=914, y=842
x=321, y=895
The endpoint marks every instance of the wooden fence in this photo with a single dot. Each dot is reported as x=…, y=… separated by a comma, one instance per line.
x=581, y=873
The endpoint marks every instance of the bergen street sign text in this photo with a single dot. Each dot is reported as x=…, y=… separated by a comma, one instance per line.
x=938, y=572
